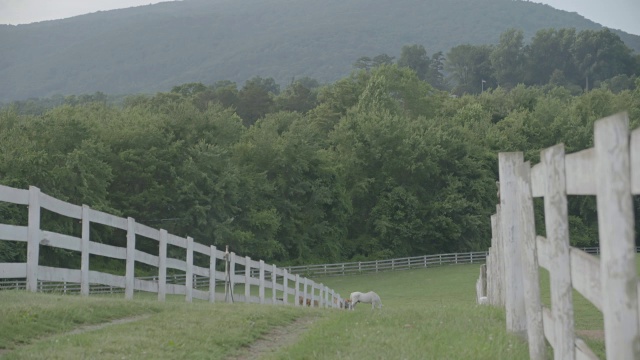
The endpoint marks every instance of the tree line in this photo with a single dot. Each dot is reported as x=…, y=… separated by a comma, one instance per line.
x=378, y=164
x=576, y=60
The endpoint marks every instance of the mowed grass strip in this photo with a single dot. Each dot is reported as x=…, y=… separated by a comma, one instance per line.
x=38, y=326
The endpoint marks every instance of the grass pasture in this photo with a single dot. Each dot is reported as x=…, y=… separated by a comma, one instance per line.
x=427, y=314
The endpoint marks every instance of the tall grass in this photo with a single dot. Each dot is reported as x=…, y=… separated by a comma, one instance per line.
x=427, y=314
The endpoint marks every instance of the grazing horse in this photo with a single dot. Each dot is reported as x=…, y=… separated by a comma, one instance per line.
x=367, y=298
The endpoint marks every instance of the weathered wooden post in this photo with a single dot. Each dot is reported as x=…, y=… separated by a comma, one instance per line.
x=227, y=276
x=33, y=239
x=131, y=258
x=189, y=272
x=247, y=279
x=296, y=302
x=285, y=286
x=261, y=289
x=162, y=265
x=617, y=244
x=529, y=258
x=84, y=250
x=274, y=283
x=212, y=271
x=326, y=297
x=232, y=273
x=305, y=296
x=511, y=232
x=557, y=228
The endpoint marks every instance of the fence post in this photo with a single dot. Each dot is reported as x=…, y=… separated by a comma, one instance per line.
x=557, y=228
x=529, y=258
x=326, y=297
x=333, y=297
x=471, y=257
x=212, y=272
x=296, y=301
x=499, y=258
x=33, y=237
x=376, y=265
x=342, y=269
x=616, y=231
x=359, y=267
x=261, y=290
x=162, y=265
x=274, y=282
x=304, y=289
x=131, y=258
x=511, y=227
x=84, y=252
x=285, y=286
x=393, y=263
x=247, y=279
x=189, y=273
x=425, y=260
x=232, y=274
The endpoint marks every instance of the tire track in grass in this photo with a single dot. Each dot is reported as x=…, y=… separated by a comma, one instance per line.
x=87, y=328
x=276, y=338
x=83, y=329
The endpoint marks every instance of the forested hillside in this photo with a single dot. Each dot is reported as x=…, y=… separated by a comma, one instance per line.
x=152, y=48
x=377, y=164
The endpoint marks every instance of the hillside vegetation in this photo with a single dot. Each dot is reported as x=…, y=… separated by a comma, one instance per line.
x=152, y=48
x=377, y=165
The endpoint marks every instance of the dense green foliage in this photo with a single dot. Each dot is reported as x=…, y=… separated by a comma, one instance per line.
x=378, y=164
x=152, y=48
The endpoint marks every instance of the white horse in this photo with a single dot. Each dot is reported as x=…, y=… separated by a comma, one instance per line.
x=367, y=298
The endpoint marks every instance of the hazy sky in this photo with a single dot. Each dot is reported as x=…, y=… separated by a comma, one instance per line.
x=616, y=14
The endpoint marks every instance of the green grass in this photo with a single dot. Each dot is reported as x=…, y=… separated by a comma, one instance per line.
x=427, y=314
x=37, y=326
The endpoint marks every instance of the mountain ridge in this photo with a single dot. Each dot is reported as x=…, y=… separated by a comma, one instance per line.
x=151, y=48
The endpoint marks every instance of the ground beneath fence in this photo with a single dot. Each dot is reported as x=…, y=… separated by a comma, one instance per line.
x=276, y=338
x=591, y=334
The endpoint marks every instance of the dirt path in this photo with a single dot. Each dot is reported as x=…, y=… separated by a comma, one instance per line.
x=276, y=338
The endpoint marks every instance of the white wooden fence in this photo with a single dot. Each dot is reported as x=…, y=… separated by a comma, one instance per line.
x=610, y=171
x=407, y=263
x=285, y=287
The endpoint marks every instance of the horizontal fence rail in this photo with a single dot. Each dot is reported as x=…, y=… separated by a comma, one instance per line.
x=361, y=267
x=611, y=172
x=263, y=283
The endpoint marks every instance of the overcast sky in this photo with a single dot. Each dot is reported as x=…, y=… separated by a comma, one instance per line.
x=616, y=14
